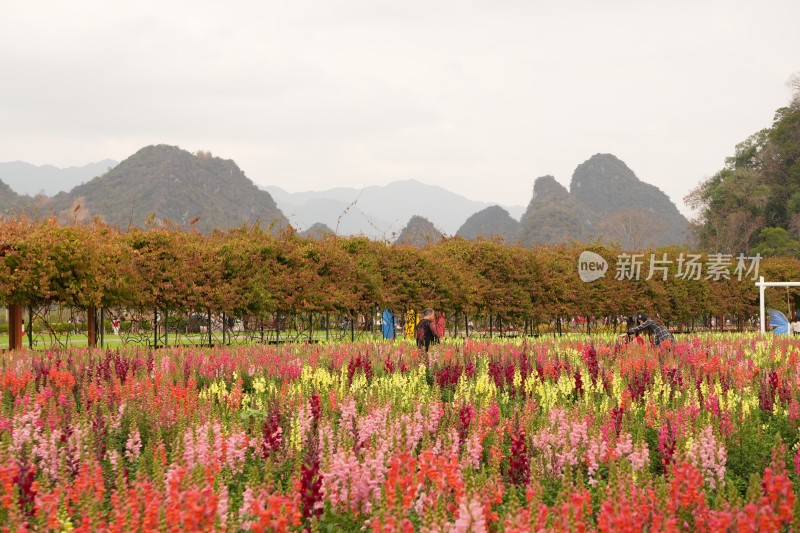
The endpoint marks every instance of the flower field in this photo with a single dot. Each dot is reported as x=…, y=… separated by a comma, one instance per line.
x=546, y=434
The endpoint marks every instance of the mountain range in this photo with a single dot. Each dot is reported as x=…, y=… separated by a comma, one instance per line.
x=31, y=180
x=379, y=211
x=606, y=201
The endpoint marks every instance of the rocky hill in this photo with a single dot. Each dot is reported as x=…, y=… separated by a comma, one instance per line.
x=494, y=221
x=11, y=201
x=166, y=182
x=554, y=215
x=419, y=232
x=317, y=231
x=607, y=202
x=607, y=187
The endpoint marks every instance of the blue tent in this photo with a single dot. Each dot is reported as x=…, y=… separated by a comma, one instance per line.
x=388, y=324
x=779, y=321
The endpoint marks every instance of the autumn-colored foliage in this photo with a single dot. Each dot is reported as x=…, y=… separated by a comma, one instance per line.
x=250, y=272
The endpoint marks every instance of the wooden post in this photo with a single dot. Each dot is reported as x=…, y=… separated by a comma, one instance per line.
x=91, y=327
x=15, y=333
x=210, y=340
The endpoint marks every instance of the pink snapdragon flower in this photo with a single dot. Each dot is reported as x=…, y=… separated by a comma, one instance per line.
x=640, y=458
x=595, y=452
x=49, y=454
x=709, y=457
x=133, y=447
x=474, y=449
x=235, y=451
x=470, y=518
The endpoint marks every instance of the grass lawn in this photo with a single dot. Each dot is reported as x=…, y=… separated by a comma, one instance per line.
x=45, y=342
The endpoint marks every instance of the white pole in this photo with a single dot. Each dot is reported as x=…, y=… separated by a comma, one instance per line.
x=761, y=288
x=762, y=285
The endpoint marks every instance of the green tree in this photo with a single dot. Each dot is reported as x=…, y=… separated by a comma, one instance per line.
x=775, y=241
x=757, y=188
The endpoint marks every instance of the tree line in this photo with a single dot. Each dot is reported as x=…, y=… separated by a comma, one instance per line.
x=250, y=272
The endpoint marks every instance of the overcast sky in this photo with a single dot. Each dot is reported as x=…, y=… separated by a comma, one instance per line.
x=480, y=97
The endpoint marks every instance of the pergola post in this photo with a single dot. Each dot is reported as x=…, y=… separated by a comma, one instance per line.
x=763, y=312
x=762, y=285
x=91, y=327
x=15, y=333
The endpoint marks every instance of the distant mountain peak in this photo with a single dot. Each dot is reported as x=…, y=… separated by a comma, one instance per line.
x=494, y=221
x=553, y=215
x=25, y=178
x=419, y=232
x=602, y=172
x=317, y=231
x=605, y=184
x=548, y=186
x=170, y=183
x=604, y=197
x=378, y=211
x=10, y=200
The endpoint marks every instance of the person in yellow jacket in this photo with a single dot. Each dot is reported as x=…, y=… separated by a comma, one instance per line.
x=410, y=326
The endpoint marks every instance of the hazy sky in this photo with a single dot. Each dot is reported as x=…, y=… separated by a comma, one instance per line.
x=480, y=97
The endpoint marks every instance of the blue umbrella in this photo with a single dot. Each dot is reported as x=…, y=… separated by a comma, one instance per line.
x=387, y=324
x=779, y=321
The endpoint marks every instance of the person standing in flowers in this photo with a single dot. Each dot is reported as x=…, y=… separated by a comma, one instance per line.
x=410, y=323
x=658, y=332
x=388, y=327
x=430, y=329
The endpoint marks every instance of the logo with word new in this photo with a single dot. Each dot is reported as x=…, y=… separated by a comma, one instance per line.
x=591, y=266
